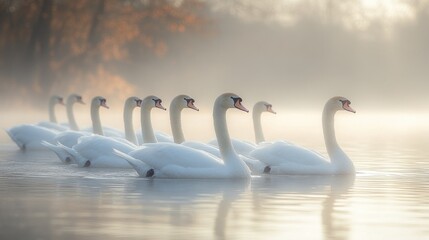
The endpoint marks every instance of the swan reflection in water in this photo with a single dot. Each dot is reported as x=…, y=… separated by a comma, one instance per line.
x=296, y=194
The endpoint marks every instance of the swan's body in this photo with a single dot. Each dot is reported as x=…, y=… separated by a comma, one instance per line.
x=240, y=146
x=97, y=151
x=29, y=137
x=52, y=124
x=159, y=136
x=178, y=161
x=285, y=158
x=245, y=147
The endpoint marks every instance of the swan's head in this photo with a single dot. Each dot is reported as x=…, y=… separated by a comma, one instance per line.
x=133, y=102
x=230, y=100
x=152, y=102
x=100, y=101
x=79, y=99
x=57, y=99
x=75, y=98
x=341, y=103
x=183, y=101
x=263, y=106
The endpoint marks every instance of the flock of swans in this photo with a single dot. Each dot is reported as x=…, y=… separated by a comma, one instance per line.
x=154, y=154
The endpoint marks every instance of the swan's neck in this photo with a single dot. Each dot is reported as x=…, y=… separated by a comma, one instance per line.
x=222, y=134
x=259, y=135
x=130, y=134
x=70, y=115
x=52, y=116
x=147, y=129
x=95, y=117
x=337, y=156
x=176, y=124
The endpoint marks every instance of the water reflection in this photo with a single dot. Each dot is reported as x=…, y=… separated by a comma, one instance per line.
x=43, y=198
x=335, y=222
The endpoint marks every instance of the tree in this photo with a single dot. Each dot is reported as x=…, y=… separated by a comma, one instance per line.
x=49, y=46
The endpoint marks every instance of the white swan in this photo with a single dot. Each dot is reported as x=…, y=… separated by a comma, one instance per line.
x=71, y=138
x=53, y=123
x=177, y=161
x=245, y=147
x=285, y=158
x=97, y=151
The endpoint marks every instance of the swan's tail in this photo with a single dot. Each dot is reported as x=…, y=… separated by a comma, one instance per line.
x=62, y=154
x=18, y=143
x=78, y=159
x=141, y=168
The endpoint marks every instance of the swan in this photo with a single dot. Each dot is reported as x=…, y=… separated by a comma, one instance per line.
x=284, y=158
x=53, y=123
x=70, y=138
x=169, y=160
x=97, y=151
x=245, y=147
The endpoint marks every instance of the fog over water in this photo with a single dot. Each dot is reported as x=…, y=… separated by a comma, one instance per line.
x=293, y=54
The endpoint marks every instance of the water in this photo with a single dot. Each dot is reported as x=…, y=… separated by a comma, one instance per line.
x=388, y=198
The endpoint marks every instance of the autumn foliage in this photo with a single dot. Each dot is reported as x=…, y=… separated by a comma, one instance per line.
x=49, y=46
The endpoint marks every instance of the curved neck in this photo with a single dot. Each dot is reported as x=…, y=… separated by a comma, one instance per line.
x=70, y=115
x=336, y=154
x=329, y=130
x=95, y=117
x=222, y=134
x=130, y=134
x=259, y=135
x=52, y=117
x=176, y=123
x=147, y=129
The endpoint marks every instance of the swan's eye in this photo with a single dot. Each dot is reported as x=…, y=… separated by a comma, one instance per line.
x=236, y=99
x=343, y=102
x=189, y=100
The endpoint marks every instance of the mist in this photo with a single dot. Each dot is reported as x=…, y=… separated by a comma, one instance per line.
x=295, y=55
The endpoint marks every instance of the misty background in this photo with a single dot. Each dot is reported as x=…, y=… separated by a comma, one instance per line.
x=293, y=54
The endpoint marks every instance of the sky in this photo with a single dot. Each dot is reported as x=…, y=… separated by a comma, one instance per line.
x=296, y=55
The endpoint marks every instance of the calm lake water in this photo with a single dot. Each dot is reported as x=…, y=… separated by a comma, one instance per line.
x=388, y=198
